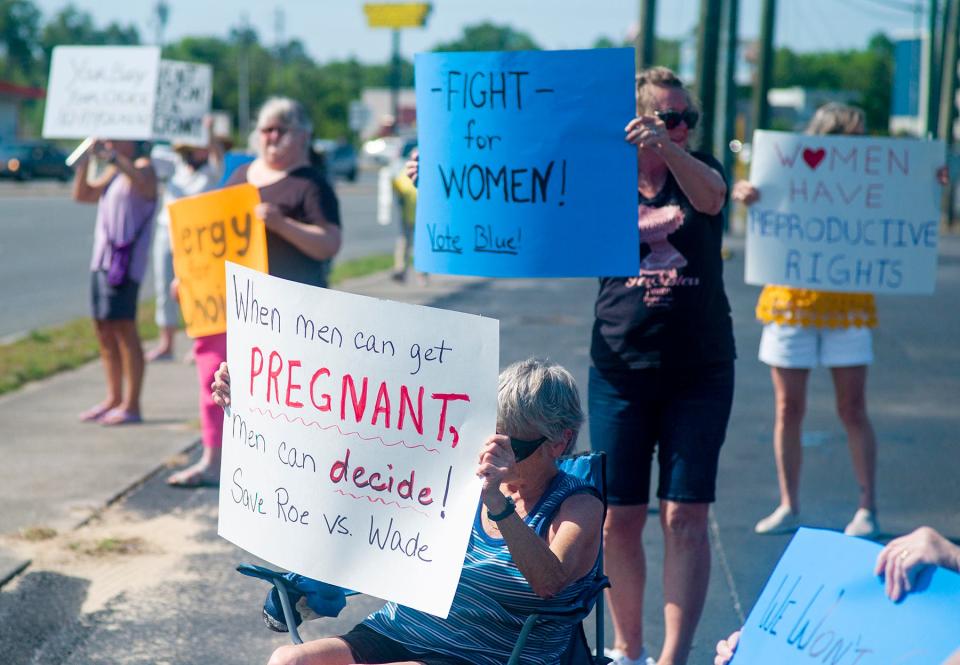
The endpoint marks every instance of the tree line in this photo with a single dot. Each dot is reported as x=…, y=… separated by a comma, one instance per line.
x=27, y=39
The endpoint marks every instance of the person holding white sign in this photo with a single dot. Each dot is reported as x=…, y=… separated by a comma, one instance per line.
x=299, y=207
x=186, y=171
x=126, y=198
x=804, y=328
x=535, y=543
x=662, y=373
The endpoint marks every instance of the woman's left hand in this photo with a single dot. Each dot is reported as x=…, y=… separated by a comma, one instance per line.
x=904, y=557
x=496, y=461
x=647, y=131
x=270, y=214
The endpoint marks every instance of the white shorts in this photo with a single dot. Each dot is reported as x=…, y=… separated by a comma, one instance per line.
x=795, y=347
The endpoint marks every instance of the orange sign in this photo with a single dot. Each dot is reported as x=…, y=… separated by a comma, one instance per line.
x=205, y=231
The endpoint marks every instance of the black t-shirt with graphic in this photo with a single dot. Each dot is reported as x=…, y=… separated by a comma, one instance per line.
x=675, y=313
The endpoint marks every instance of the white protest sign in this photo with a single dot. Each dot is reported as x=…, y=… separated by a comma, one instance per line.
x=844, y=213
x=351, y=442
x=184, y=91
x=106, y=91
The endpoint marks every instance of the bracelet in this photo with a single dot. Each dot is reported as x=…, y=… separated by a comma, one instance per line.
x=509, y=509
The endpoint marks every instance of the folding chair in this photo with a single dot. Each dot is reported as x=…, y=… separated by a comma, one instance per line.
x=588, y=466
x=591, y=467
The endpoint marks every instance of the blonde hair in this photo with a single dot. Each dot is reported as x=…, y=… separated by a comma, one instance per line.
x=658, y=77
x=835, y=118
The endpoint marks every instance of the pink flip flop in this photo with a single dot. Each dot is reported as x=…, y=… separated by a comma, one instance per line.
x=120, y=417
x=94, y=413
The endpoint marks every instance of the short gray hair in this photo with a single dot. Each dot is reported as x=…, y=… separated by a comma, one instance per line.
x=289, y=111
x=539, y=396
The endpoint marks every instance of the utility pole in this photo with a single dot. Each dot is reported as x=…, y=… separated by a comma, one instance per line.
x=933, y=70
x=948, y=94
x=948, y=84
x=708, y=43
x=161, y=14
x=395, y=80
x=243, y=77
x=646, y=34
x=396, y=15
x=731, y=19
x=761, y=109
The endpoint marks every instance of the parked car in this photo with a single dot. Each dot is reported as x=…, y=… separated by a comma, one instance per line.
x=33, y=159
x=340, y=158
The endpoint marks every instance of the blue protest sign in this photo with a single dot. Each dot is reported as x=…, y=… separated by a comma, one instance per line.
x=524, y=170
x=823, y=604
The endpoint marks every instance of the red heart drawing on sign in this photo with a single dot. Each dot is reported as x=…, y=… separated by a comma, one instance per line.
x=814, y=157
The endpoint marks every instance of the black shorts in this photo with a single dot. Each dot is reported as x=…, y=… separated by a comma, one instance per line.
x=369, y=646
x=682, y=414
x=113, y=303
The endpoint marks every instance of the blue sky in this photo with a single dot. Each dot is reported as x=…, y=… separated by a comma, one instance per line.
x=336, y=29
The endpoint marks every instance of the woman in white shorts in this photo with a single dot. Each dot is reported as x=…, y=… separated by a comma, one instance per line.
x=805, y=328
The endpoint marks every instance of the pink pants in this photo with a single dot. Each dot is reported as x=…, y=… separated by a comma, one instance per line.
x=209, y=352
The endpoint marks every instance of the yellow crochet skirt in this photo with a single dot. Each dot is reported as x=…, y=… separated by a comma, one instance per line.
x=807, y=308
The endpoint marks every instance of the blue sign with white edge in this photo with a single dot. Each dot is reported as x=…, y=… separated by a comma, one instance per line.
x=823, y=604
x=524, y=170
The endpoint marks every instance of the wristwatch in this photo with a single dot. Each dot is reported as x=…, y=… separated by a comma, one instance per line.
x=509, y=509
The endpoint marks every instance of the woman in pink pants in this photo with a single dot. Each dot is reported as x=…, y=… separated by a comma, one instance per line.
x=208, y=353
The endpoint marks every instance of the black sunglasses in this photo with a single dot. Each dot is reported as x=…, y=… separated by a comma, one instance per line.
x=672, y=119
x=524, y=449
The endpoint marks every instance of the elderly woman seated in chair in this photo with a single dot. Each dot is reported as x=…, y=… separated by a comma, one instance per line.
x=535, y=543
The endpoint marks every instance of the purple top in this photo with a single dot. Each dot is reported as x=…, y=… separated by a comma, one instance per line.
x=122, y=212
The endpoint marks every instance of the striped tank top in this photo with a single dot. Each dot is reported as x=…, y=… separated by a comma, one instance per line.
x=492, y=599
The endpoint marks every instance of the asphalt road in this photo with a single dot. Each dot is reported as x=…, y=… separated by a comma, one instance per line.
x=45, y=242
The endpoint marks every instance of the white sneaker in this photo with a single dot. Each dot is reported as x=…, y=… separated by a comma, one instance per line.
x=863, y=524
x=781, y=520
x=620, y=658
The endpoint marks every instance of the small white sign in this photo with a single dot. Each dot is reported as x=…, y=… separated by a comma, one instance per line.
x=351, y=443
x=844, y=213
x=184, y=91
x=104, y=91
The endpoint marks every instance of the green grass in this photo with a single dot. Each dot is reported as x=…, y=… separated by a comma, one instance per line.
x=360, y=267
x=46, y=351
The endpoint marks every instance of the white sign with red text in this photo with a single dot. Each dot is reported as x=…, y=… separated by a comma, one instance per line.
x=350, y=446
x=844, y=213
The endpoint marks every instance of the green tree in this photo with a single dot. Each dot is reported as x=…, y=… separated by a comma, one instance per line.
x=490, y=37
x=19, y=31
x=867, y=73
x=72, y=26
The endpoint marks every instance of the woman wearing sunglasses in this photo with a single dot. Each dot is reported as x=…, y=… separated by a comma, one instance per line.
x=534, y=546
x=662, y=374
x=298, y=205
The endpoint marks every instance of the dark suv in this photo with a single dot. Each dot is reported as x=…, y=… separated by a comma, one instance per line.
x=33, y=159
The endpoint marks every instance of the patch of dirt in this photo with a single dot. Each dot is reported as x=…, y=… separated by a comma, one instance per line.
x=121, y=552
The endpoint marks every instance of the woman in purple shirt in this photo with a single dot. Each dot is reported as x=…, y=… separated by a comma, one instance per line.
x=126, y=198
